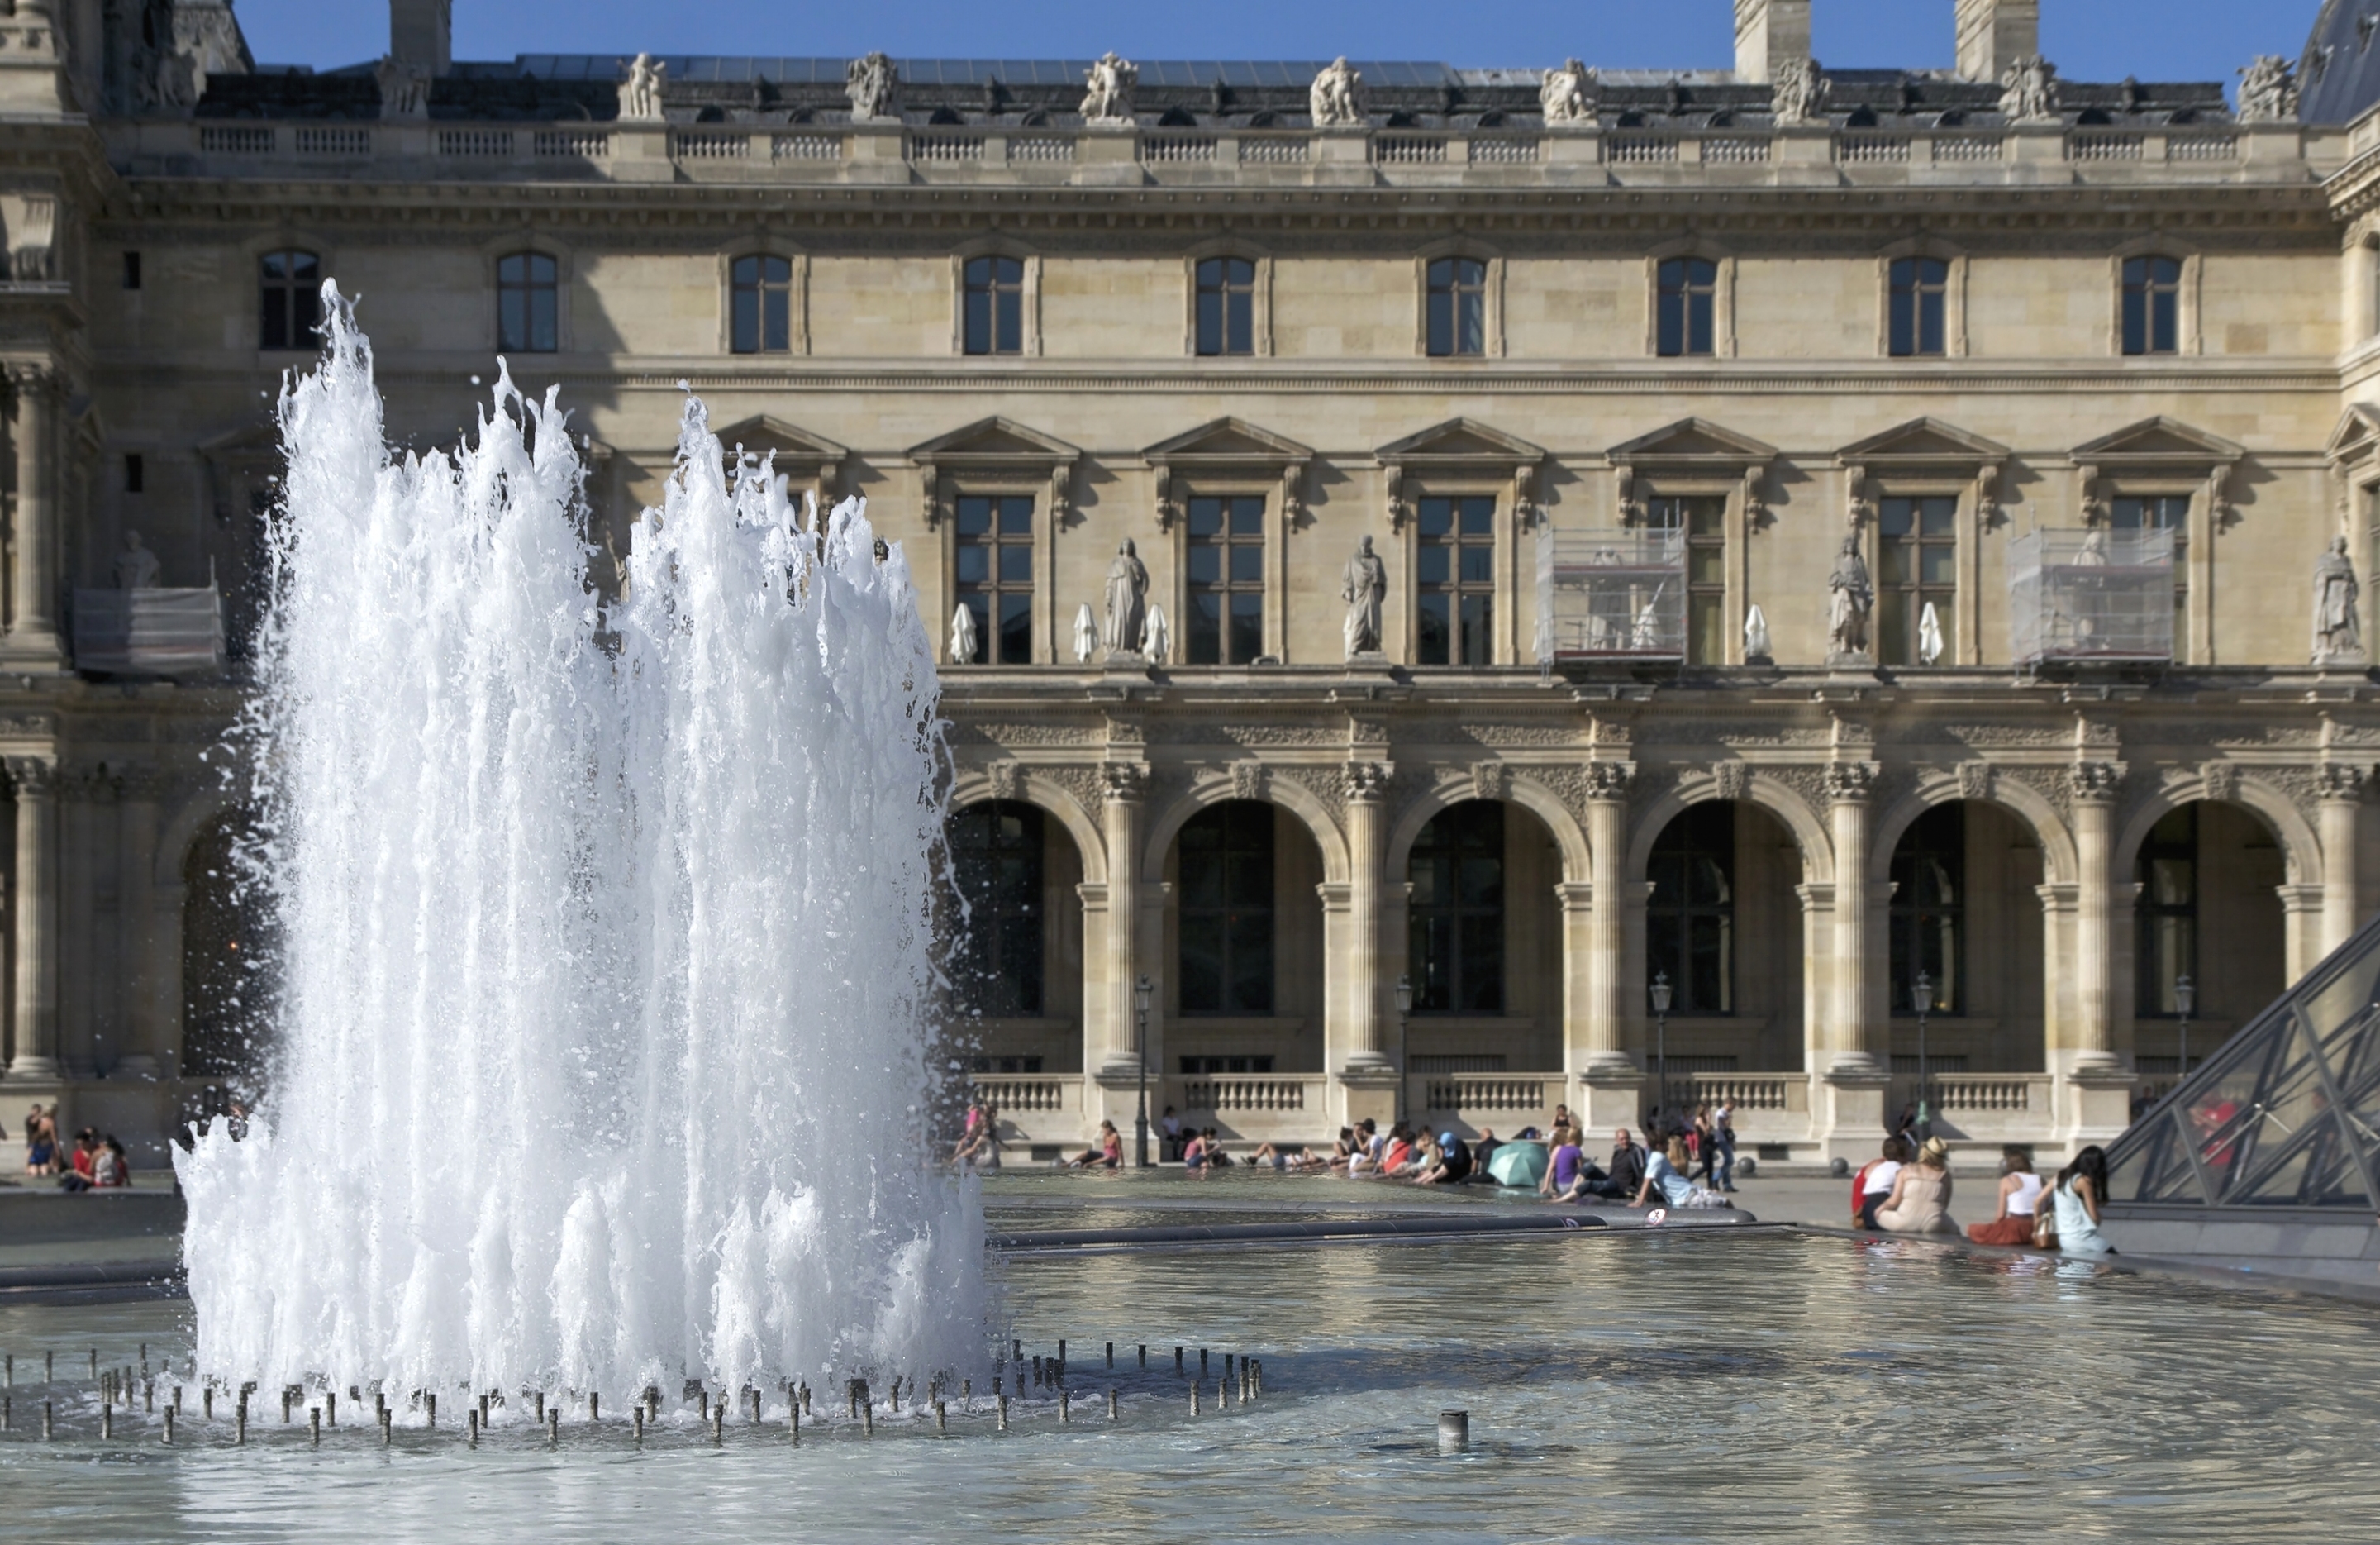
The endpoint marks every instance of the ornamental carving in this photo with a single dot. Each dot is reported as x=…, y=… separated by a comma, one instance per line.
x=404, y=89
x=872, y=82
x=1002, y=776
x=1491, y=780
x=1336, y=98
x=641, y=93
x=1607, y=781
x=1976, y=779
x=2095, y=783
x=2268, y=93
x=1849, y=782
x=2221, y=780
x=1731, y=780
x=1798, y=91
x=2029, y=91
x=1024, y=735
x=36, y=776
x=1083, y=784
x=1248, y=780
x=1124, y=780
x=1365, y=780
x=1327, y=785
x=1566, y=94
x=2340, y=780
x=1111, y=81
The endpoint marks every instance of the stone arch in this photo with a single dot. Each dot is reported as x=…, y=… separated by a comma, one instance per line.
x=974, y=787
x=2028, y=804
x=2300, y=847
x=1454, y=788
x=179, y=829
x=1766, y=790
x=1214, y=788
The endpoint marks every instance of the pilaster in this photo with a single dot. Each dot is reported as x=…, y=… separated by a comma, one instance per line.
x=2341, y=785
x=33, y=901
x=32, y=641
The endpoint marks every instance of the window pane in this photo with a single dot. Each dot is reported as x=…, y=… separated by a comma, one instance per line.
x=1936, y=564
x=1012, y=322
x=1929, y=322
x=981, y=608
x=1247, y=564
x=1016, y=517
x=1706, y=565
x=1206, y=564
x=1435, y=634
x=1707, y=629
x=978, y=321
x=1206, y=629
x=1210, y=322
x=1472, y=338
x=273, y=317
x=975, y=515
x=1671, y=341
x=1436, y=564
x=1698, y=319
x=541, y=269
x=512, y=320
x=746, y=271
x=542, y=321
x=1893, y=627
x=745, y=328
x=2136, y=321
x=1247, y=518
x=1241, y=313
x=1015, y=629
x=1441, y=323
x=1211, y=274
x=513, y=270
x=1206, y=516
x=777, y=318
x=1015, y=564
x=1247, y=627
x=1240, y=272
x=1904, y=324
x=1478, y=517
x=1474, y=631
x=1937, y=518
x=1478, y=565
x=2165, y=333
x=1436, y=516
x=974, y=563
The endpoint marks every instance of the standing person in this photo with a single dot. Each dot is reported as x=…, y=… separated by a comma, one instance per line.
x=41, y=1143
x=2019, y=1197
x=2082, y=1186
x=967, y=1134
x=1723, y=1133
x=1919, y=1201
x=1170, y=1125
x=1877, y=1181
x=1705, y=1146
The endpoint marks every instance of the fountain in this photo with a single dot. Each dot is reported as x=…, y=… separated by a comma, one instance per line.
x=601, y=1056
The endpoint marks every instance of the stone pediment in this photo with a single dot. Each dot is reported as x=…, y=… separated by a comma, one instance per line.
x=2356, y=437
x=762, y=434
x=1927, y=441
x=2160, y=441
x=994, y=441
x=1228, y=441
x=1461, y=441
x=1693, y=442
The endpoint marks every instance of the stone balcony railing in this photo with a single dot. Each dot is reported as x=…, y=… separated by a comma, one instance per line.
x=881, y=155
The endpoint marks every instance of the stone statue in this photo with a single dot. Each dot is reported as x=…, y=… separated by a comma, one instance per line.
x=1798, y=92
x=963, y=636
x=2029, y=91
x=2268, y=93
x=1567, y=94
x=1336, y=97
x=640, y=94
x=2337, y=633
x=404, y=89
x=1851, y=598
x=1110, y=78
x=136, y=566
x=1127, y=613
x=1361, y=584
x=873, y=84
x=1156, y=641
x=1086, y=634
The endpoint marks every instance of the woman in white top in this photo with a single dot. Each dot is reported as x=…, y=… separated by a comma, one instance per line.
x=2020, y=1195
x=2082, y=1186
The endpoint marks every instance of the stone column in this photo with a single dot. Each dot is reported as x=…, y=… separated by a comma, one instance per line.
x=2095, y=786
x=1366, y=1035
x=33, y=626
x=1124, y=783
x=1613, y=1079
x=34, y=901
x=146, y=1046
x=1855, y=1045
x=2342, y=800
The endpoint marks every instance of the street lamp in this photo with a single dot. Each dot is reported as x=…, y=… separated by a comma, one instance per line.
x=1922, y=988
x=2185, y=996
x=1140, y=1014
x=1660, y=1043
x=1404, y=1007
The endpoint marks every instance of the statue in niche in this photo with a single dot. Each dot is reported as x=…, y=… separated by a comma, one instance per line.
x=2338, y=632
x=136, y=566
x=2268, y=93
x=1798, y=92
x=640, y=94
x=1362, y=585
x=1567, y=95
x=2029, y=91
x=1850, y=598
x=1111, y=80
x=1335, y=99
x=1127, y=601
x=872, y=82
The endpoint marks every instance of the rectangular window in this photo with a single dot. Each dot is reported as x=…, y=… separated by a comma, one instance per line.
x=2152, y=306
x=1457, y=573
x=1920, y=287
x=529, y=303
x=1687, y=298
x=1917, y=566
x=1227, y=306
x=290, y=297
x=995, y=306
x=1458, y=307
x=995, y=575
x=131, y=271
x=1226, y=581
x=761, y=305
x=1704, y=521
x=136, y=474
x=2169, y=513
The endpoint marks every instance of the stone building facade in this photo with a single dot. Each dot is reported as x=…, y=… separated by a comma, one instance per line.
x=1892, y=393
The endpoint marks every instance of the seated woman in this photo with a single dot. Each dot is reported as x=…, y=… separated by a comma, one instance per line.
x=2020, y=1199
x=2082, y=1186
x=1920, y=1202
x=1107, y=1155
x=1662, y=1176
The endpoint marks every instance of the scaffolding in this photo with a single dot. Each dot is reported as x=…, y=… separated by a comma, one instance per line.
x=2091, y=595
x=1612, y=595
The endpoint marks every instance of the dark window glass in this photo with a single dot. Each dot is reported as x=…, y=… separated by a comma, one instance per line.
x=2168, y=946
x=996, y=854
x=1689, y=916
x=1458, y=307
x=2169, y=512
x=1457, y=910
x=527, y=302
x=1688, y=290
x=995, y=306
x=131, y=271
x=1919, y=286
x=1704, y=520
x=1917, y=564
x=1227, y=306
x=2152, y=306
x=1454, y=600
x=135, y=473
x=761, y=305
x=1226, y=581
x=1929, y=909
x=994, y=557
x=1225, y=872
x=1251, y=1064
x=290, y=297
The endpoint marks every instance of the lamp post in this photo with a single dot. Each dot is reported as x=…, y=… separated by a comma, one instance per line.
x=1140, y=1016
x=1923, y=990
x=1660, y=1043
x=2185, y=996
x=1404, y=1008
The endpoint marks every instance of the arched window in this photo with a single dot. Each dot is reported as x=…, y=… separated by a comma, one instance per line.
x=1457, y=910
x=1929, y=910
x=761, y=309
x=1227, y=309
x=1225, y=920
x=2152, y=305
x=1687, y=301
x=527, y=303
x=1690, y=918
x=995, y=306
x=230, y=960
x=996, y=853
x=1920, y=288
x=290, y=300
x=1458, y=307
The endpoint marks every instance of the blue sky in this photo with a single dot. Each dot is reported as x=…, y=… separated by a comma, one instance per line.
x=2089, y=40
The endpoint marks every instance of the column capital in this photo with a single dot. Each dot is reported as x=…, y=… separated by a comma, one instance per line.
x=1609, y=782
x=2094, y=782
x=1575, y=895
x=1366, y=781
x=1123, y=781
x=35, y=775
x=28, y=376
x=2342, y=781
x=1849, y=782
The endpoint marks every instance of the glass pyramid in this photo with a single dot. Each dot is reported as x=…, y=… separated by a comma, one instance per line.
x=2286, y=1115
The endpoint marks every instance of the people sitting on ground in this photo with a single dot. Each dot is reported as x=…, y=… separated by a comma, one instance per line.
x=2082, y=1186
x=2019, y=1197
x=982, y=1151
x=1666, y=1181
x=1453, y=1166
x=1920, y=1199
x=1105, y=1154
x=1210, y=1152
x=1194, y=1149
x=1620, y=1183
x=1398, y=1151
x=1483, y=1150
x=1364, y=1158
x=78, y=1175
x=1874, y=1186
x=1286, y=1157
x=1564, y=1161
x=1343, y=1151
x=967, y=1133
x=1425, y=1156
x=108, y=1165
x=1171, y=1125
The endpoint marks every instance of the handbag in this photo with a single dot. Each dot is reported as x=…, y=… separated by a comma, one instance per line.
x=2045, y=1227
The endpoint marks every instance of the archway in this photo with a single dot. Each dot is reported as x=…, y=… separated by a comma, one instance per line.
x=230, y=962
x=1015, y=960
x=1242, y=960
x=2206, y=871
x=1723, y=933
x=1482, y=941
